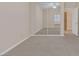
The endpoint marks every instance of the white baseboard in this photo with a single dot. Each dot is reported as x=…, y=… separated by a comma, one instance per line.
x=62, y=35
x=47, y=35
x=15, y=45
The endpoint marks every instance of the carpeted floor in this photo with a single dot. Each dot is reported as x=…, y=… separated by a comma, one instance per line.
x=67, y=45
x=49, y=31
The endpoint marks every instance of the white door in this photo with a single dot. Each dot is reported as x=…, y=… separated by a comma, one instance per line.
x=75, y=21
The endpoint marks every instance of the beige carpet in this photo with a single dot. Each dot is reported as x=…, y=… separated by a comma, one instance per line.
x=49, y=31
x=47, y=46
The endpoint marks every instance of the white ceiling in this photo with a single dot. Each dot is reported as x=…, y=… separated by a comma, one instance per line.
x=49, y=4
x=66, y=4
x=71, y=4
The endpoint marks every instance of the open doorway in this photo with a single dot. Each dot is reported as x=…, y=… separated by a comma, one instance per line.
x=67, y=22
x=71, y=21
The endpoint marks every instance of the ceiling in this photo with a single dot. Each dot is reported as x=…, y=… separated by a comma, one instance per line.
x=71, y=4
x=66, y=4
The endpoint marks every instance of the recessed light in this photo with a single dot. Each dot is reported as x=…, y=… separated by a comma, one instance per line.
x=54, y=7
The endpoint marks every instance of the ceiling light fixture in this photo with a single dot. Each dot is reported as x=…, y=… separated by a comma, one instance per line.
x=50, y=4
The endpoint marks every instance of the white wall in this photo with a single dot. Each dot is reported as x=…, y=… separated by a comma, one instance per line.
x=35, y=18
x=18, y=21
x=62, y=19
x=78, y=21
x=48, y=17
x=75, y=21
x=14, y=22
x=45, y=18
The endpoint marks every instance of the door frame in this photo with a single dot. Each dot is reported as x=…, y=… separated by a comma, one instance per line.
x=75, y=28
x=65, y=21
